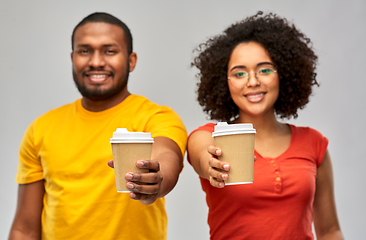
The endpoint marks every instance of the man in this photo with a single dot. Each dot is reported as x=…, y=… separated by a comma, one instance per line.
x=66, y=189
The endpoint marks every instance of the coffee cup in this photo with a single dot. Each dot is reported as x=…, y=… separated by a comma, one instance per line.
x=127, y=148
x=237, y=144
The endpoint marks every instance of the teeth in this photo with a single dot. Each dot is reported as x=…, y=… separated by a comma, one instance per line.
x=98, y=76
x=254, y=96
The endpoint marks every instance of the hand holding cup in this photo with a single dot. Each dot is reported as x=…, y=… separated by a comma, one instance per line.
x=234, y=151
x=145, y=186
x=134, y=172
x=218, y=170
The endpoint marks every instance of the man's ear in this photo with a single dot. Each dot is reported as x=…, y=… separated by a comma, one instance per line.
x=132, y=59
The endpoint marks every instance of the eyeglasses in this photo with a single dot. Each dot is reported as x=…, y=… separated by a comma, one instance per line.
x=239, y=79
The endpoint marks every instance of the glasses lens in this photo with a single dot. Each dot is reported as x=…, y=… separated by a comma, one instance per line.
x=266, y=75
x=239, y=78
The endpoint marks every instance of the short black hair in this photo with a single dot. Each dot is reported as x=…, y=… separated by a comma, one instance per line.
x=290, y=50
x=106, y=18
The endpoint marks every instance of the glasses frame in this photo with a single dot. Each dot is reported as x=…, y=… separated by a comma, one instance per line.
x=256, y=77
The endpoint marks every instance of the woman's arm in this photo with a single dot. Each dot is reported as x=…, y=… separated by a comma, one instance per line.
x=203, y=156
x=325, y=214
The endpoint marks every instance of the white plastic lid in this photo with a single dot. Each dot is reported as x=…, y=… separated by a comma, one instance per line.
x=122, y=135
x=223, y=128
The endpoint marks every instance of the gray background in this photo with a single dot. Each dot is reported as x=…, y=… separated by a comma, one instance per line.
x=36, y=77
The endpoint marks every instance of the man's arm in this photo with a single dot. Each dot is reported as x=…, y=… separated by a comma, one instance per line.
x=27, y=220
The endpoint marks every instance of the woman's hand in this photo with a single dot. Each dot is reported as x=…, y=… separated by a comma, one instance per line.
x=218, y=170
x=203, y=155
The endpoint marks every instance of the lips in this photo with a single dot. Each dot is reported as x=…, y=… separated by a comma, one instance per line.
x=98, y=76
x=255, y=96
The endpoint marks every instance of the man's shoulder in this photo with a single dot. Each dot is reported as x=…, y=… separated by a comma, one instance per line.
x=140, y=99
x=148, y=111
x=144, y=104
x=57, y=112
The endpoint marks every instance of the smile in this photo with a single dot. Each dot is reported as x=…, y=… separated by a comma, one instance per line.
x=97, y=77
x=255, y=96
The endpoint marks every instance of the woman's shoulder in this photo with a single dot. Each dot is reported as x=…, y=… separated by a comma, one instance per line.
x=310, y=140
x=305, y=130
x=210, y=127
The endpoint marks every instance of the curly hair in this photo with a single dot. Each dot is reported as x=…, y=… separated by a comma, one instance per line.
x=290, y=50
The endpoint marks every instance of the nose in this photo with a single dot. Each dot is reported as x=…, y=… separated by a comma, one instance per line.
x=97, y=60
x=253, y=80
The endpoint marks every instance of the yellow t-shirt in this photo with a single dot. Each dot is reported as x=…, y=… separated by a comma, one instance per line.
x=69, y=149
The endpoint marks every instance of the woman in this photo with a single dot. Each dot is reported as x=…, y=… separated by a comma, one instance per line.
x=259, y=70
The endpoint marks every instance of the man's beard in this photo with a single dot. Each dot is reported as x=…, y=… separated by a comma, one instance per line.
x=98, y=94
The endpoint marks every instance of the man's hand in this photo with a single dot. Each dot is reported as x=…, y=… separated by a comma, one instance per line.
x=145, y=186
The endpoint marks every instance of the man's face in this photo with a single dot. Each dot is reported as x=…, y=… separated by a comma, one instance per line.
x=101, y=64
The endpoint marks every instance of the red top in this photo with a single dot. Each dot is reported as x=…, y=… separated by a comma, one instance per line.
x=279, y=203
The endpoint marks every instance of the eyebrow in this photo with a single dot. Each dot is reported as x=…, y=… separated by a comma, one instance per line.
x=259, y=64
x=105, y=45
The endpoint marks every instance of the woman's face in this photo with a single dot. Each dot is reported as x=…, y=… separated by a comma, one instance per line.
x=252, y=79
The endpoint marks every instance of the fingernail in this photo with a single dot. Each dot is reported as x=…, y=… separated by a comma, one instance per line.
x=130, y=186
x=224, y=176
x=226, y=167
x=221, y=184
x=128, y=176
x=140, y=163
x=132, y=195
x=217, y=151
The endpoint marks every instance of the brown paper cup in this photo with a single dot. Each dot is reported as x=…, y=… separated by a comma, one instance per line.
x=125, y=156
x=238, y=152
